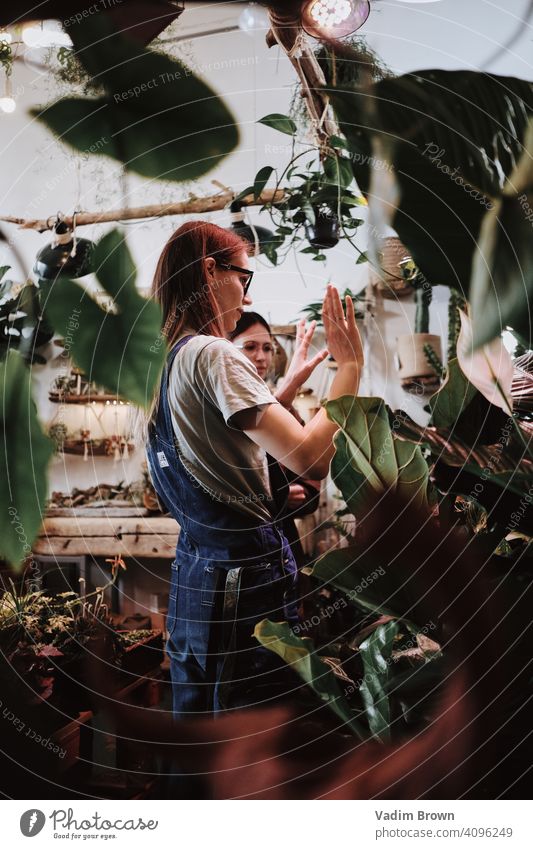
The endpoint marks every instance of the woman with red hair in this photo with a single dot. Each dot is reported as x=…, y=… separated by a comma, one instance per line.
x=210, y=429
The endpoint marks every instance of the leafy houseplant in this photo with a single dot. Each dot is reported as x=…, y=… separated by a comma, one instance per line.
x=49, y=638
x=314, y=310
x=419, y=353
x=361, y=675
x=464, y=140
x=317, y=202
x=382, y=679
x=22, y=324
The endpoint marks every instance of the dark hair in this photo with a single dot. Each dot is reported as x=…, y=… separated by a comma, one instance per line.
x=180, y=284
x=247, y=320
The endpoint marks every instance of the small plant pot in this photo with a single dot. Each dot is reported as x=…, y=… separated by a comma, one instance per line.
x=144, y=655
x=416, y=373
x=324, y=233
x=388, y=277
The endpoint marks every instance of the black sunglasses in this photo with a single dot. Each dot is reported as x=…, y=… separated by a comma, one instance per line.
x=249, y=274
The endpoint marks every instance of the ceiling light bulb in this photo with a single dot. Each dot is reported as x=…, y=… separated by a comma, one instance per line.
x=7, y=104
x=334, y=18
x=330, y=13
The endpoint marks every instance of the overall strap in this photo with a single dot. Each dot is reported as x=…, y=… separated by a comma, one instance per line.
x=163, y=402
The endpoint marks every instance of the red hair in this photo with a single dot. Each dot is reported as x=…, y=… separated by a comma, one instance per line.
x=180, y=283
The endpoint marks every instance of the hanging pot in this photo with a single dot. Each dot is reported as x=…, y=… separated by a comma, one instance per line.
x=324, y=233
x=388, y=278
x=416, y=373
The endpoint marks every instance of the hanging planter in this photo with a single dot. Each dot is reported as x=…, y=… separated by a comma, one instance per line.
x=390, y=277
x=323, y=232
x=317, y=200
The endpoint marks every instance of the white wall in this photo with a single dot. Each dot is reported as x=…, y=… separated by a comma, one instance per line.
x=39, y=177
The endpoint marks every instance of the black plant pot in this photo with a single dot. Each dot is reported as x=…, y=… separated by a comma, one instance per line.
x=324, y=233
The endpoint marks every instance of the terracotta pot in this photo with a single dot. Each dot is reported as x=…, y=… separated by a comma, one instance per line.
x=388, y=278
x=416, y=374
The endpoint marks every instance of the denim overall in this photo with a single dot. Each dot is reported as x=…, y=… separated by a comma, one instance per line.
x=230, y=572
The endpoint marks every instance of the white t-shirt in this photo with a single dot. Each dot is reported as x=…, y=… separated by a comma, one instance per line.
x=211, y=380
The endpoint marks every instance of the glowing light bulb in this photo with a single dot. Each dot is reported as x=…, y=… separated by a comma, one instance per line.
x=329, y=14
x=5, y=37
x=7, y=104
x=334, y=18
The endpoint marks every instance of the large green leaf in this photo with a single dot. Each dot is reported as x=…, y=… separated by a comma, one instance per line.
x=452, y=399
x=368, y=582
x=279, y=122
x=123, y=349
x=25, y=454
x=376, y=654
x=502, y=281
x=431, y=150
x=261, y=179
x=156, y=116
x=369, y=461
x=300, y=653
x=494, y=463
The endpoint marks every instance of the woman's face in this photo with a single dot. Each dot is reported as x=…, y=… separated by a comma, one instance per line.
x=228, y=289
x=256, y=344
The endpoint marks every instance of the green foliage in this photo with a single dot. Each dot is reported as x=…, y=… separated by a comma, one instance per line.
x=22, y=325
x=448, y=139
x=71, y=71
x=423, y=298
x=502, y=282
x=6, y=58
x=369, y=461
x=376, y=653
x=23, y=462
x=456, y=302
x=123, y=349
x=316, y=191
x=434, y=361
x=155, y=116
x=314, y=310
x=454, y=396
x=300, y=653
x=368, y=583
x=261, y=179
x=279, y=122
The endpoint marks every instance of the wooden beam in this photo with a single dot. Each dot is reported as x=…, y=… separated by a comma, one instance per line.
x=192, y=206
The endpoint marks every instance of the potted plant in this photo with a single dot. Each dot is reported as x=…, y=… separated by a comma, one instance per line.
x=48, y=639
x=419, y=353
x=142, y=650
x=317, y=198
x=389, y=276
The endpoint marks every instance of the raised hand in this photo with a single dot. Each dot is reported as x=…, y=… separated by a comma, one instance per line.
x=300, y=367
x=342, y=334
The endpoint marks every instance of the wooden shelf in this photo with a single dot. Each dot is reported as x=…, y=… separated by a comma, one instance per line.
x=107, y=536
x=74, y=398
